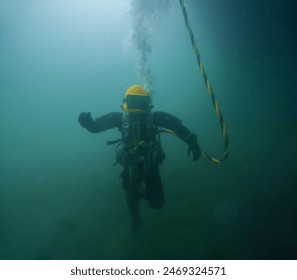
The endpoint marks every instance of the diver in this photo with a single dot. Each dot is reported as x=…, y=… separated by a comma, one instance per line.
x=139, y=150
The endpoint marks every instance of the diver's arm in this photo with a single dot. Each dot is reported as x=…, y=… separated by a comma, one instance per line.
x=107, y=121
x=171, y=122
x=168, y=121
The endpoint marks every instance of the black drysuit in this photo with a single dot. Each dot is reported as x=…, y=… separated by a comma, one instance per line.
x=140, y=157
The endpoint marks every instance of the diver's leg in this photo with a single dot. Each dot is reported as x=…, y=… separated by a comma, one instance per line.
x=132, y=198
x=154, y=186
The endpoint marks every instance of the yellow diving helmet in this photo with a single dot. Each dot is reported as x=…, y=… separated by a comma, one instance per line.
x=137, y=100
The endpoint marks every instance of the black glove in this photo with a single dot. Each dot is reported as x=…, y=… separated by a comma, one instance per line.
x=85, y=119
x=194, y=147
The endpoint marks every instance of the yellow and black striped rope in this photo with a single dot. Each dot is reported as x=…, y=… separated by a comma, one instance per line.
x=214, y=101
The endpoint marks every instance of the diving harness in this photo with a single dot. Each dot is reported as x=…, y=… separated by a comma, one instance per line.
x=140, y=142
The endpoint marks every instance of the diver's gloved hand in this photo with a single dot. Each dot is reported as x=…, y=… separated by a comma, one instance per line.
x=194, y=147
x=85, y=119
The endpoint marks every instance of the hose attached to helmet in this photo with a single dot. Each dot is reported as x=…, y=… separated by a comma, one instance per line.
x=209, y=89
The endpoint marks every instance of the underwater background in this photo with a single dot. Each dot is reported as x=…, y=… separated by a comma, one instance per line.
x=61, y=196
